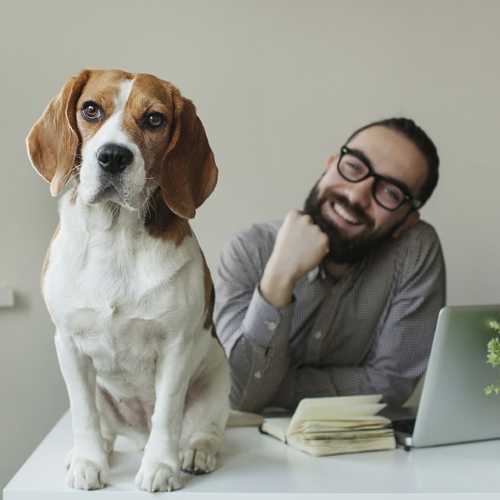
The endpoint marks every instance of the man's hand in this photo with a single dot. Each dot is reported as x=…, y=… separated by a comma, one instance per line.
x=300, y=247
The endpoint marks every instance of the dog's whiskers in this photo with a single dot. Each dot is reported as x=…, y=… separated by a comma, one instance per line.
x=151, y=206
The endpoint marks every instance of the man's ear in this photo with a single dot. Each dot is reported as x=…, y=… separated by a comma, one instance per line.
x=411, y=219
x=331, y=161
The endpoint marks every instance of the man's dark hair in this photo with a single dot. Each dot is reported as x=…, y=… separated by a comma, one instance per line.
x=421, y=140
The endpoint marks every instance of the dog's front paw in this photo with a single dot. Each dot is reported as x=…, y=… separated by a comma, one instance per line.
x=86, y=475
x=157, y=477
x=198, y=460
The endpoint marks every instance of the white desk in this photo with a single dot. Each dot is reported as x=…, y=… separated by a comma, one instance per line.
x=255, y=466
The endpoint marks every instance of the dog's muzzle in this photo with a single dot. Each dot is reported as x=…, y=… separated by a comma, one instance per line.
x=115, y=178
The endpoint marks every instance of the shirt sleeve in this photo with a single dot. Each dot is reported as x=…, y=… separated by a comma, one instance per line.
x=253, y=333
x=399, y=354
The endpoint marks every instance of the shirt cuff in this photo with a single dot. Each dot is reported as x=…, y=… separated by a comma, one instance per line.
x=269, y=325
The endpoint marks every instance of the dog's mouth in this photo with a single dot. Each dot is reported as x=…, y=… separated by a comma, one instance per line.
x=115, y=190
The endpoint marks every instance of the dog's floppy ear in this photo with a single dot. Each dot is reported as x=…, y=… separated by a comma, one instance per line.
x=53, y=141
x=188, y=173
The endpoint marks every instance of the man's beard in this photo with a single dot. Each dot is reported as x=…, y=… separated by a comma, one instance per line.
x=344, y=250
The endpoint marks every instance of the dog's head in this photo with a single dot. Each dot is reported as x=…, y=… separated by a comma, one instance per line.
x=121, y=136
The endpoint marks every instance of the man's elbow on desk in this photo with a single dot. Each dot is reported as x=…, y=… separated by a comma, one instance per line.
x=251, y=395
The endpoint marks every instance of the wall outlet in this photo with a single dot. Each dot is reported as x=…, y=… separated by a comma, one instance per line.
x=6, y=297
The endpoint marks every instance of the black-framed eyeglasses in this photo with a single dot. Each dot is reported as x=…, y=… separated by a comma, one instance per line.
x=390, y=194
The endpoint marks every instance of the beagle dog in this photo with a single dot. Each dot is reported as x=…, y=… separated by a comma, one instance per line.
x=124, y=280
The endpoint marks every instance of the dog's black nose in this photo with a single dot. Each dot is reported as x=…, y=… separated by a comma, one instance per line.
x=113, y=158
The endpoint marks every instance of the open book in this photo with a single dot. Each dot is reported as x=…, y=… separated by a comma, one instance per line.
x=328, y=426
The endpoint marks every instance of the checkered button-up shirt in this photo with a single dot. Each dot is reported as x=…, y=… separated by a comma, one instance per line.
x=370, y=332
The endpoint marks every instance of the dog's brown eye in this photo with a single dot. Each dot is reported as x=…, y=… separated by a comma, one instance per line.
x=155, y=120
x=91, y=111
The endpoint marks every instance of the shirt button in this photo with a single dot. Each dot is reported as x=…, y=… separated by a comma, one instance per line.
x=257, y=375
x=271, y=326
x=318, y=335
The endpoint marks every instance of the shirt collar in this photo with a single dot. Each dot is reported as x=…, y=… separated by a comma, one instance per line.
x=319, y=274
x=314, y=274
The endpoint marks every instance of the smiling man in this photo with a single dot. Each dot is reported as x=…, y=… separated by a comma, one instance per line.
x=341, y=298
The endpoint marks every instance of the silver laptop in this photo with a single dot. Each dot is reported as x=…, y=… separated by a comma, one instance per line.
x=453, y=406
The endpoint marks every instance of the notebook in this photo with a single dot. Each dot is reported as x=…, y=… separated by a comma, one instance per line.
x=453, y=406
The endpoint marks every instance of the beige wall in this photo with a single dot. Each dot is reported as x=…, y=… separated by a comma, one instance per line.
x=279, y=85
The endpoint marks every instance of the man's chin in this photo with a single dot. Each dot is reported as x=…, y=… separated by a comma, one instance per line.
x=352, y=234
x=352, y=250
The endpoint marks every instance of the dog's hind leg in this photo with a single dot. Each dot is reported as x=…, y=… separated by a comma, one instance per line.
x=205, y=417
x=108, y=434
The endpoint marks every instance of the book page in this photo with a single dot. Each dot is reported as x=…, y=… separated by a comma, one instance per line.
x=323, y=447
x=313, y=426
x=335, y=408
x=338, y=401
x=276, y=427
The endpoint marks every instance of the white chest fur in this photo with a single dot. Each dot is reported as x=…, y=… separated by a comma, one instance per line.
x=116, y=291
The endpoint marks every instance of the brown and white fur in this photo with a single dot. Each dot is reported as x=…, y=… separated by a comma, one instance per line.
x=125, y=281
